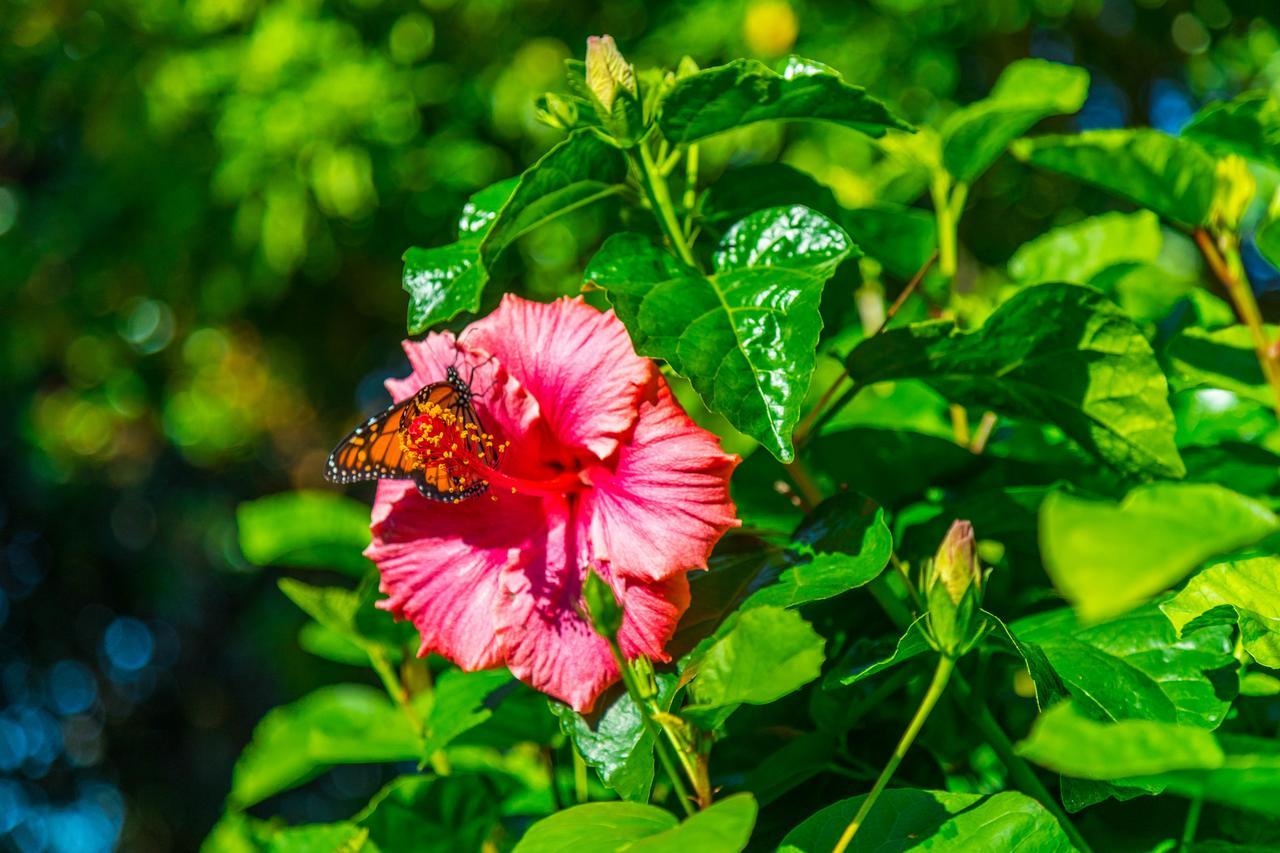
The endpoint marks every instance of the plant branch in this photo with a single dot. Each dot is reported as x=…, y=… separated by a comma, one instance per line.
x=1223, y=260
x=1191, y=824
x=655, y=187
x=941, y=674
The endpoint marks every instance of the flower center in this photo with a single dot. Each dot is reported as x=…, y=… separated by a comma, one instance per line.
x=439, y=437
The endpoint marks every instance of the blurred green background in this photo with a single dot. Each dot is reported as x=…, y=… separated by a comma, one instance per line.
x=202, y=209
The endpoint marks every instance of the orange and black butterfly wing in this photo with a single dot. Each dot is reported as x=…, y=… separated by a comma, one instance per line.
x=373, y=450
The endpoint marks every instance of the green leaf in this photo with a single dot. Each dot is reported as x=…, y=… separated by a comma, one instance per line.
x=1173, y=177
x=605, y=827
x=1068, y=742
x=432, y=814
x=1222, y=358
x=618, y=746
x=876, y=469
x=312, y=530
x=1251, y=588
x=901, y=238
x=740, y=192
x=757, y=657
x=1028, y=90
x=579, y=171
x=938, y=821
x=746, y=91
x=351, y=615
x=837, y=549
x=1242, y=772
x=1105, y=557
x=459, y=703
x=745, y=335
x=444, y=281
x=343, y=724
x=1058, y=353
x=1076, y=253
x=1248, y=125
x=1267, y=239
x=724, y=827
x=866, y=657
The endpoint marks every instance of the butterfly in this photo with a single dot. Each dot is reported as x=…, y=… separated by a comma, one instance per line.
x=389, y=445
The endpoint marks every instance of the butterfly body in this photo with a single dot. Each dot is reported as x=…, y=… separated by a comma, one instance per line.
x=426, y=438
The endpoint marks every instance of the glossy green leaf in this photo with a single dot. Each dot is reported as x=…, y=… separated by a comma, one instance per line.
x=446, y=280
x=351, y=614
x=1132, y=667
x=1073, y=744
x=901, y=238
x=746, y=334
x=1106, y=557
x=1076, y=253
x=582, y=169
x=1172, y=176
x=1251, y=588
x=432, y=814
x=1248, y=125
x=911, y=819
x=608, y=827
x=1057, y=353
x=757, y=657
x=1028, y=90
x=1221, y=358
x=618, y=746
x=343, y=724
x=838, y=548
x=313, y=530
x=746, y=91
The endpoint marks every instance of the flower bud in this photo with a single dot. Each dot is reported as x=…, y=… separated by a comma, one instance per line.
x=608, y=72
x=603, y=610
x=953, y=587
x=557, y=111
x=1234, y=189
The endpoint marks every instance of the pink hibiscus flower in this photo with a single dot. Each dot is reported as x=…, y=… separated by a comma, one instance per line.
x=603, y=471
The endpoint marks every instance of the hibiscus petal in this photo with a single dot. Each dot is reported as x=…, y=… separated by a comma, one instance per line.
x=577, y=362
x=664, y=505
x=442, y=565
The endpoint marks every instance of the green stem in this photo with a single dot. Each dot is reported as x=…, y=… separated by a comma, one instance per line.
x=1021, y=773
x=581, y=794
x=940, y=193
x=400, y=695
x=633, y=689
x=690, y=187
x=941, y=675
x=655, y=187
x=1191, y=824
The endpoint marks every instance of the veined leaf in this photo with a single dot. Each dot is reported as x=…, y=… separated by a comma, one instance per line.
x=1076, y=253
x=939, y=821
x=618, y=746
x=758, y=656
x=1106, y=557
x=746, y=334
x=1248, y=125
x=1172, y=176
x=1058, y=353
x=459, y=703
x=343, y=724
x=1221, y=358
x=312, y=530
x=740, y=192
x=1251, y=588
x=724, y=827
x=837, y=549
x=444, y=281
x=746, y=91
x=1027, y=91
x=582, y=169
